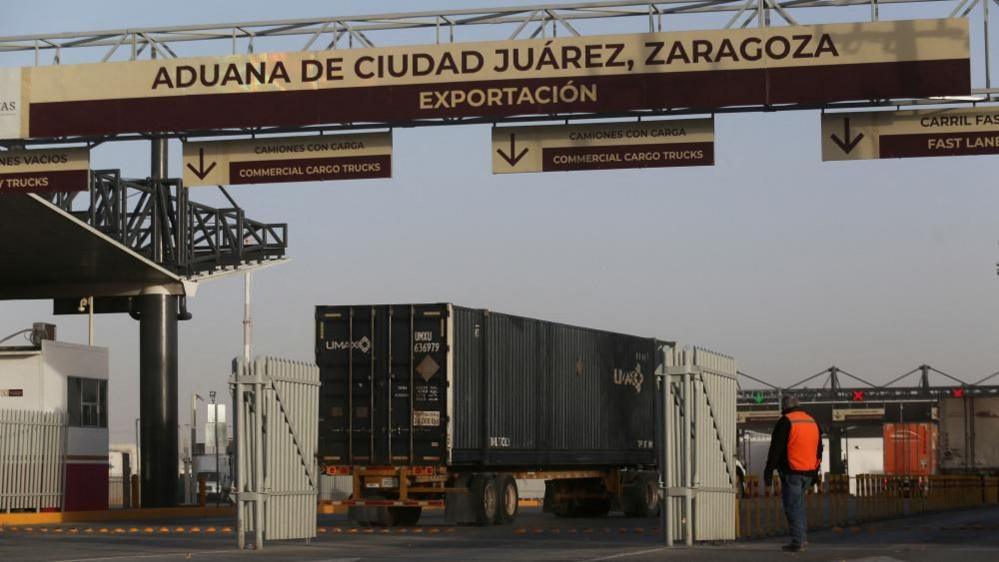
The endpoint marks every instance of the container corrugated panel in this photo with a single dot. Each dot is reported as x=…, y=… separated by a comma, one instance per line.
x=910, y=448
x=968, y=427
x=514, y=391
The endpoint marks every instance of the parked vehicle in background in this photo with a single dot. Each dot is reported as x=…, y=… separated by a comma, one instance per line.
x=440, y=405
x=968, y=429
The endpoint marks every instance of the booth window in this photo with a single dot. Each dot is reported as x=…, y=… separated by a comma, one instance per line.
x=88, y=399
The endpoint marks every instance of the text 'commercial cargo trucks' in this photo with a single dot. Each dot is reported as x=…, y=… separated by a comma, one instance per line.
x=440, y=405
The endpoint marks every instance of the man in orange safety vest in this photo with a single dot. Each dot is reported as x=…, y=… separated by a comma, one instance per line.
x=796, y=454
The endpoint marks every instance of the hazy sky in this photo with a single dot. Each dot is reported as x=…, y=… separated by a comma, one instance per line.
x=787, y=263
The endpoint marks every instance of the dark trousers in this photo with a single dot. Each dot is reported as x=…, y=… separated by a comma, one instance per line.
x=792, y=495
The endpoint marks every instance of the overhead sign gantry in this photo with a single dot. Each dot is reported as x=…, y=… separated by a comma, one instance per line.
x=247, y=94
x=588, y=74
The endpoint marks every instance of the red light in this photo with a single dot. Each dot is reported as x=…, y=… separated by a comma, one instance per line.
x=858, y=395
x=957, y=393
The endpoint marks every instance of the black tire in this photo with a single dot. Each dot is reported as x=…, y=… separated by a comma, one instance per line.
x=509, y=499
x=386, y=518
x=485, y=499
x=405, y=516
x=642, y=498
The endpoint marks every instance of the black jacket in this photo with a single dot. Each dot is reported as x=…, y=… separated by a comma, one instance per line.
x=777, y=458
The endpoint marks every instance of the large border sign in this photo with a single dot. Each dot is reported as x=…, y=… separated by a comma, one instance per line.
x=288, y=159
x=603, y=146
x=591, y=74
x=44, y=171
x=910, y=134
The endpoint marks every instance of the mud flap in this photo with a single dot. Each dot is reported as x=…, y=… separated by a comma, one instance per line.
x=366, y=515
x=458, y=507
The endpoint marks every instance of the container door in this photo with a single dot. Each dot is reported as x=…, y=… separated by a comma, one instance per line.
x=370, y=358
x=344, y=352
x=420, y=363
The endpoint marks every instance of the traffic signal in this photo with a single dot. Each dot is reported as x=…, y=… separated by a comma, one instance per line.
x=957, y=392
x=858, y=396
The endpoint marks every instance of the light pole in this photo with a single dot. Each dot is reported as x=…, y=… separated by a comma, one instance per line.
x=87, y=303
x=192, y=490
x=138, y=465
x=218, y=469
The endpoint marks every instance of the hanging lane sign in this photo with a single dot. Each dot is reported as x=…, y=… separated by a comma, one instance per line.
x=288, y=159
x=910, y=134
x=603, y=146
x=600, y=74
x=44, y=171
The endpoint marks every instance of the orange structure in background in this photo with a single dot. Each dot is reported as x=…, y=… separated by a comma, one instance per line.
x=910, y=448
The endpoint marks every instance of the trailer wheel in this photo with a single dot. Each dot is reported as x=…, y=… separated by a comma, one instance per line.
x=485, y=499
x=405, y=516
x=509, y=499
x=642, y=498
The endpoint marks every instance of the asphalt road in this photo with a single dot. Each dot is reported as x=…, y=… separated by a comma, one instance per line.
x=967, y=536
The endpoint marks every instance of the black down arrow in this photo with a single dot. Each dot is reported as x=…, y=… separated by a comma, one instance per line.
x=201, y=172
x=849, y=144
x=513, y=157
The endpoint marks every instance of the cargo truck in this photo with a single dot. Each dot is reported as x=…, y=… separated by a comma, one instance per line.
x=968, y=429
x=437, y=405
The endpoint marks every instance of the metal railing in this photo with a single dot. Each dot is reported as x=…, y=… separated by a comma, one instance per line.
x=116, y=492
x=32, y=457
x=843, y=501
x=156, y=219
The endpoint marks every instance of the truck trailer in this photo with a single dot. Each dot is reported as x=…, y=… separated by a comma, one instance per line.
x=437, y=405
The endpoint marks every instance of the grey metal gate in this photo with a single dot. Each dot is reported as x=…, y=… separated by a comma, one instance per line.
x=699, y=472
x=277, y=405
x=32, y=460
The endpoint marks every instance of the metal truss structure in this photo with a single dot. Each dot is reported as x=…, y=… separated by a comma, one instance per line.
x=833, y=391
x=518, y=22
x=155, y=219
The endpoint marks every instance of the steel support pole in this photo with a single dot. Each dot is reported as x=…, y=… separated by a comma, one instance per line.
x=240, y=477
x=666, y=508
x=158, y=399
x=247, y=319
x=836, y=465
x=258, y=458
x=191, y=480
x=158, y=373
x=688, y=480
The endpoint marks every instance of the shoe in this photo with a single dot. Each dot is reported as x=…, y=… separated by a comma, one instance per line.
x=793, y=547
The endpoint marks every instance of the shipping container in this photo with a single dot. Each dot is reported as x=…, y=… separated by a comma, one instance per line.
x=489, y=389
x=910, y=448
x=450, y=396
x=968, y=429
